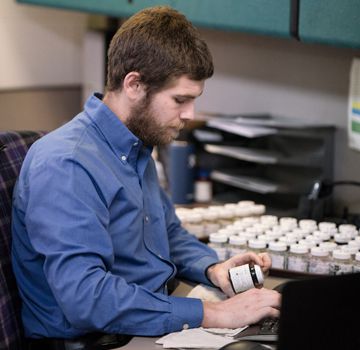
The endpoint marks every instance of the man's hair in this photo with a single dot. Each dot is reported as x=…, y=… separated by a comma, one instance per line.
x=160, y=44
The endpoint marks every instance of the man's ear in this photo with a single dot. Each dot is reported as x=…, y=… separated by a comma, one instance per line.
x=133, y=87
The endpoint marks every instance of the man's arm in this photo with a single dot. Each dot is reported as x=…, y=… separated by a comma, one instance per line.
x=191, y=257
x=67, y=222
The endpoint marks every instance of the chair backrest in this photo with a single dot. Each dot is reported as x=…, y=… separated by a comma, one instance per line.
x=13, y=147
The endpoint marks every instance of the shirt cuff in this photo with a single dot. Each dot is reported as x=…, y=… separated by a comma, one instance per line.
x=201, y=268
x=186, y=313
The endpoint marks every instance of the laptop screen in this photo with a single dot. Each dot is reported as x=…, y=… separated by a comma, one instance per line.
x=321, y=313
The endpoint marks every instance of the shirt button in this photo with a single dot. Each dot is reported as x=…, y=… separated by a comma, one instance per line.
x=136, y=143
x=146, y=218
x=186, y=326
x=123, y=158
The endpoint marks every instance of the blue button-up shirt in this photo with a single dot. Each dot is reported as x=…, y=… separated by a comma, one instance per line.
x=95, y=239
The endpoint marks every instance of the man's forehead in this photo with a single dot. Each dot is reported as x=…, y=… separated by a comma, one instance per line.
x=185, y=86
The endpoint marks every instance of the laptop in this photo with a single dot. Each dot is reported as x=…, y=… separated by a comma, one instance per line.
x=316, y=313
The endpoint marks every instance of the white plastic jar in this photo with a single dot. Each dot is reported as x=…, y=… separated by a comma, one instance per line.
x=308, y=224
x=210, y=221
x=245, y=277
x=257, y=245
x=278, y=255
x=319, y=261
x=271, y=220
x=298, y=258
x=236, y=245
x=342, y=238
x=327, y=226
x=218, y=242
x=195, y=225
x=329, y=246
x=341, y=262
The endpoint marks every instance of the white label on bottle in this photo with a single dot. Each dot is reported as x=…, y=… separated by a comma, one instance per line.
x=297, y=264
x=319, y=267
x=340, y=269
x=277, y=261
x=241, y=278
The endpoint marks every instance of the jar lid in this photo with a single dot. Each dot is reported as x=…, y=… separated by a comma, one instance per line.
x=218, y=238
x=324, y=236
x=330, y=246
x=237, y=240
x=347, y=228
x=226, y=213
x=327, y=227
x=257, y=209
x=288, y=222
x=257, y=244
x=194, y=217
x=357, y=256
x=312, y=238
x=287, y=240
x=307, y=223
x=228, y=231
x=254, y=230
x=308, y=244
x=318, y=251
x=300, y=232
x=210, y=215
x=354, y=243
x=272, y=219
x=242, y=211
x=350, y=249
x=298, y=248
x=281, y=229
x=342, y=238
x=278, y=246
x=245, y=203
x=265, y=238
x=341, y=254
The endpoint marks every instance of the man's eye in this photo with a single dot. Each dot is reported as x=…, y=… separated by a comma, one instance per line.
x=179, y=100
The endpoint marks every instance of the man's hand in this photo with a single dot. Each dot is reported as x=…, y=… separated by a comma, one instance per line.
x=219, y=276
x=243, y=309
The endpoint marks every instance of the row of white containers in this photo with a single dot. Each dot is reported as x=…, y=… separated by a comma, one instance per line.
x=301, y=246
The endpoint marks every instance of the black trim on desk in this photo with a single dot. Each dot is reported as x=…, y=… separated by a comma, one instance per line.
x=294, y=18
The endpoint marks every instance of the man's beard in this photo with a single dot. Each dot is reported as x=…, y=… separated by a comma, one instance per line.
x=142, y=122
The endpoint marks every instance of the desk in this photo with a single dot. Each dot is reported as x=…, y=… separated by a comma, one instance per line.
x=148, y=343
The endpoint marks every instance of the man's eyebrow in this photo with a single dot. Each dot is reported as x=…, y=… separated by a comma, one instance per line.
x=187, y=96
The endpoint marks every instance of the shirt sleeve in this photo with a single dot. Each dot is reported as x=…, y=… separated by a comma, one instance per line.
x=67, y=219
x=191, y=257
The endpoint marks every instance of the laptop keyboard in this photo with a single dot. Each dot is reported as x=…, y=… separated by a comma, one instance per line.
x=269, y=326
x=266, y=330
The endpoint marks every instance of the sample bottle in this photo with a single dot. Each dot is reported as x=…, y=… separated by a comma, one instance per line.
x=278, y=254
x=203, y=187
x=257, y=245
x=237, y=245
x=341, y=262
x=245, y=277
x=218, y=242
x=298, y=258
x=319, y=261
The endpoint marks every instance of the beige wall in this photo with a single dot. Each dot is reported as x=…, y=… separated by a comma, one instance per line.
x=38, y=109
x=264, y=74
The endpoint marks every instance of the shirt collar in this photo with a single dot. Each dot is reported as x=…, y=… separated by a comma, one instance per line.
x=123, y=142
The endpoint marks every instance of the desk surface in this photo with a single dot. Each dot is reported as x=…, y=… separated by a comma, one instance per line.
x=148, y=343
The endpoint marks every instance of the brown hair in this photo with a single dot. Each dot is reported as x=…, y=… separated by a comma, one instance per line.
x=160, y=44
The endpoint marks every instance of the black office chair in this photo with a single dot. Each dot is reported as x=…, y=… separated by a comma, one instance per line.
x=13, y=147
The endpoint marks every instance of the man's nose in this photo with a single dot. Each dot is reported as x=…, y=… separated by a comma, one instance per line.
x=188, y=113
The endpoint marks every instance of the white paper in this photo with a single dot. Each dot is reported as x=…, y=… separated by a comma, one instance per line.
x=354, y=106
x=200, y=338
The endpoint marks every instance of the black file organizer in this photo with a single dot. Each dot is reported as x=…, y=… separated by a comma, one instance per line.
x=275, y=169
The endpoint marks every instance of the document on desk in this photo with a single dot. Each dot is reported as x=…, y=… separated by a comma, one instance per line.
x=199, y=338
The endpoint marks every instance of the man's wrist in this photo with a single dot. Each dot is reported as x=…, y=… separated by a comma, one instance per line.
x=208, y=273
